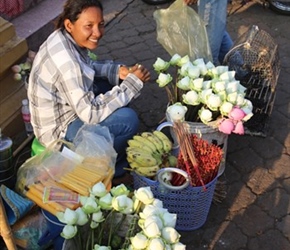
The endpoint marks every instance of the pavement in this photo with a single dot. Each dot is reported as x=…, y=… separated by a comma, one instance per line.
x=255, y=213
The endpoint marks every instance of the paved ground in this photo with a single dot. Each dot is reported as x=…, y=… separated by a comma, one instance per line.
x=256, y=211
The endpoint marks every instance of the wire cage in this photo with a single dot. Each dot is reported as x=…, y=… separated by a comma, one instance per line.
x=254, y=57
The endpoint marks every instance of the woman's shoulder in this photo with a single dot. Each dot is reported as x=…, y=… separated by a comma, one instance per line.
x=56, y=37
x=58, y=48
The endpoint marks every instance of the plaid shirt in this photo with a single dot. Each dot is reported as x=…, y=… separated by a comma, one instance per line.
x=61, y=88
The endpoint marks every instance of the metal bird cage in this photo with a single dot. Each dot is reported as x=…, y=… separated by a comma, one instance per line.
x=254, y=57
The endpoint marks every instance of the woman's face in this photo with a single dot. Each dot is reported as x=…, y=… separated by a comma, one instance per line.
x=88, y=29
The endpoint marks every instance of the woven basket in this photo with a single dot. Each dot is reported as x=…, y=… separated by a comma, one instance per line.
x=191, y=204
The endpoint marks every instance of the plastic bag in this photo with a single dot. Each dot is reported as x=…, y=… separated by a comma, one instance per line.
x=181, y=31
x=50, y=164
x=29, y=230
x=95, y=144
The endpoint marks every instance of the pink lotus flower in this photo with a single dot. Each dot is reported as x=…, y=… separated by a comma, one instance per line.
x=239, y=128
x=226, y=126
x=237, y=114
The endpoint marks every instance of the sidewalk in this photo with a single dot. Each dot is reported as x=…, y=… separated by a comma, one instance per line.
x=256, y=211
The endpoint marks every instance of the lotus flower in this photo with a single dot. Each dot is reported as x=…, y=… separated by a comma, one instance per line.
x=239, y=128
x=160, y=65
x=205, y=92
x=237, y=114
x=226, y=126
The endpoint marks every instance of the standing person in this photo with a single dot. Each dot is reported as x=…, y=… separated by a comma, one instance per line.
x=214, y=14
x=68, y=89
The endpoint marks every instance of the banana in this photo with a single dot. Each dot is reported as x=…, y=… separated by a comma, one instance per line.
x=138, y=144
x=147, y=172
x=145, y=141
x=158, y=157
x=142, y=157
x=135, y=165
x=132, y=162
x=167, y=144
x=155, y=140
x=172, y=160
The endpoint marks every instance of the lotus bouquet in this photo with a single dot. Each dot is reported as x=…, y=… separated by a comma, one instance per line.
x=120, y=219
x=202, y=92
x=22, y=70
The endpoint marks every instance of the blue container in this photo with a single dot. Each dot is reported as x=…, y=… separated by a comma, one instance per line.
x=191, y=204
x=52, y=235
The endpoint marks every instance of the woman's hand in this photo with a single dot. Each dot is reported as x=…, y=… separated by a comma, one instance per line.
x=138, y=70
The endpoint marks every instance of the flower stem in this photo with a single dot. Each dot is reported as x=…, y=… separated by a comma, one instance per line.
x=89, y=235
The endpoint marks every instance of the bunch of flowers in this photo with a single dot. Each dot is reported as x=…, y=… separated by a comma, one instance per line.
x=103, y=213
x=22, y=70
x=206, y=93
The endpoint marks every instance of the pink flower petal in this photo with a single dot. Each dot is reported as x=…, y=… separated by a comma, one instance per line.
x=239, y=129
x=237, y=114
x=226, y=126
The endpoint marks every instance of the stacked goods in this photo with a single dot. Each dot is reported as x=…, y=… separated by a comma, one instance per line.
x=149, y=152
x=62, y=191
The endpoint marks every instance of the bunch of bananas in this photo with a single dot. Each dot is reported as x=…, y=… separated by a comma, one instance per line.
x=148, y=152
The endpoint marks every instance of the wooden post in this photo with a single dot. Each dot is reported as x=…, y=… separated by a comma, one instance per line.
x=5, y=230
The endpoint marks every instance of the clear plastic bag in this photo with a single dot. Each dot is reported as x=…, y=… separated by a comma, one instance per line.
x=95, y=144
x=50, y=164
x=181, y=31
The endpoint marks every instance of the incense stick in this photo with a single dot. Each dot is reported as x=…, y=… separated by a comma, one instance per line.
x=187, y=150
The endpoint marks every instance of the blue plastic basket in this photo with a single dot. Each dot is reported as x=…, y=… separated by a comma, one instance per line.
x=191, y=204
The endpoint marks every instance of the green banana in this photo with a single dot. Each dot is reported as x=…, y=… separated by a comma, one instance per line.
x=135, y=165
x=138, y=144
x=145, y=141
x=142, y=157
x=132, y=162
x=147, y=172
x=155, y=140
x=158, y=157
x=172, y=160
x=167, y=144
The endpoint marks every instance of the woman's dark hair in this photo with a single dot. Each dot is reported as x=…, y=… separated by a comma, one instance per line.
x=73, y=8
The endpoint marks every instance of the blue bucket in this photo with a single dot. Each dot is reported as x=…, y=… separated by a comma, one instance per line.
x=52, y=234
x=191, y=204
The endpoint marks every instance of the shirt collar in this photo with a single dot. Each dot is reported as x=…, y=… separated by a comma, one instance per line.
x=83, y=51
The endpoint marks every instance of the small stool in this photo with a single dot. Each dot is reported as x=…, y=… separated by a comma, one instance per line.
x=36, y=147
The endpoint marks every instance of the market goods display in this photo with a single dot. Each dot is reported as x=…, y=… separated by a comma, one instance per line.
x=56, y=191
x=187, y=189
x=148, y=152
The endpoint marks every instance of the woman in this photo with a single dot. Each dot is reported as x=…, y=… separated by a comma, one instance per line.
x=68, y=89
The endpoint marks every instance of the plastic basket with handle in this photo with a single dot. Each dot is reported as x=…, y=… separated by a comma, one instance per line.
x=191, y=204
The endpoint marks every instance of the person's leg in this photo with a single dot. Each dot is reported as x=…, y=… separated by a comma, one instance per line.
x=123, y=125
x=226, y=45
x=214, y=14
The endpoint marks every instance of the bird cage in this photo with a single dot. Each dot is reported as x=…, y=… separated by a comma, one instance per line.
x=254, y=57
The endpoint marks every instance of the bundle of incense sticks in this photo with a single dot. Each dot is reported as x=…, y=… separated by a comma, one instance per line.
x=79, y=180
x=186, y=149
x=36, y=191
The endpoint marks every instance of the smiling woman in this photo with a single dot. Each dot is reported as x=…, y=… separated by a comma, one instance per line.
x=69, y=88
